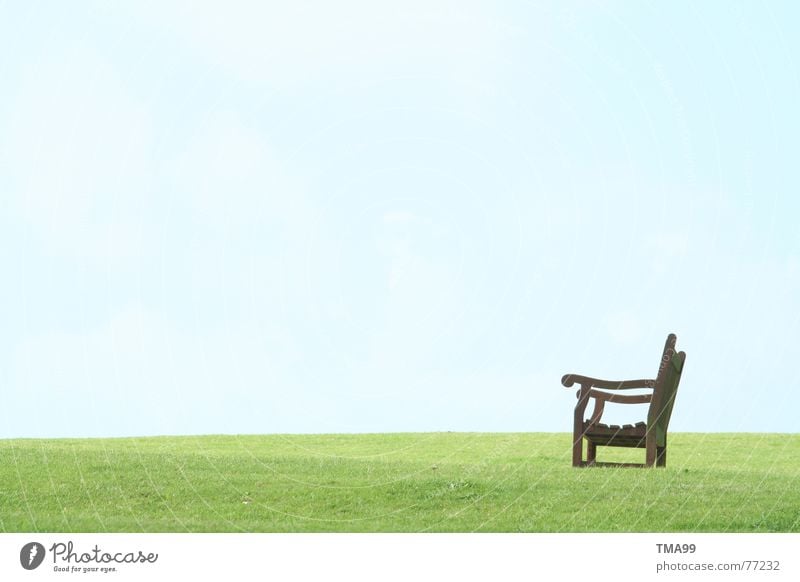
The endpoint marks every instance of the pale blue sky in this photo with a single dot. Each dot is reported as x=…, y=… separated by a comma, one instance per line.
x=345, y=217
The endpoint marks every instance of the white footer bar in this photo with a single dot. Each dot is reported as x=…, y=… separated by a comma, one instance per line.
x=389, y=557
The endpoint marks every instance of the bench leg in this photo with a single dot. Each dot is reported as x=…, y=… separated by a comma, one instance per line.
x=577, y=450
x=661, y=456
x=591, y=453
x=650, y=458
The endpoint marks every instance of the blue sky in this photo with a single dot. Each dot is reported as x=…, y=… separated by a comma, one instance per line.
x=350, y=217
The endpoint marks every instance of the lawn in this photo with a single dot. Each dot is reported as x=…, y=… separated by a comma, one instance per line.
x=454, y=482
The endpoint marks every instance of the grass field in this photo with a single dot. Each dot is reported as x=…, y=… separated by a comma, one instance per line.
x=508, y=482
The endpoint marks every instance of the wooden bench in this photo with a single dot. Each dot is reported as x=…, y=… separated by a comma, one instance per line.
x=650, y=435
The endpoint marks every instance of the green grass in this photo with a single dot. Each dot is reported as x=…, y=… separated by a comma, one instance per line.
x=395, y=482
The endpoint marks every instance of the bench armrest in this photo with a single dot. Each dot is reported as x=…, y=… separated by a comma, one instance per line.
x=569, y=380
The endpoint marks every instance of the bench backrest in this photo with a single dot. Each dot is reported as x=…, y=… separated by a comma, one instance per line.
x=665, y=389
